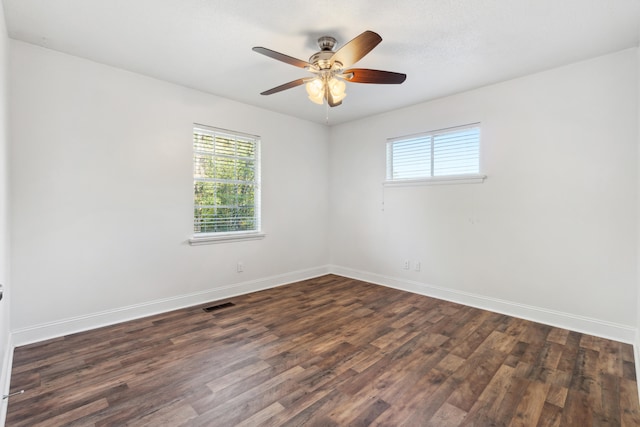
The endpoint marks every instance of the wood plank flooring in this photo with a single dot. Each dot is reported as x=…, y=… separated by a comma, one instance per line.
x=329, y=351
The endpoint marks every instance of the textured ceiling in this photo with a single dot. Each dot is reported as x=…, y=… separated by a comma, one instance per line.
x=444, y=46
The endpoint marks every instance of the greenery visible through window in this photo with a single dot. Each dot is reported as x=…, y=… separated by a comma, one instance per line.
x=441, y=153
x=226, y=181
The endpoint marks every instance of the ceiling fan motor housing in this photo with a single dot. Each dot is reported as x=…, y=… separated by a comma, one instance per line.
x=322, y=60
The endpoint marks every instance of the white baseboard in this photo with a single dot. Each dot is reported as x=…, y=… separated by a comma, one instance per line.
x=610, y=330
x=5, y=378
x=110, y=317
x=587, y=325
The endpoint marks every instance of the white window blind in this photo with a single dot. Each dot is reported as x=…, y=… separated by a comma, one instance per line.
x=226, y=181
x=441, y=153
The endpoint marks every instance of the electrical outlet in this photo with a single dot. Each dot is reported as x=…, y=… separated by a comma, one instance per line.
x=417, y=266
x=407, y=264
x=240, y=267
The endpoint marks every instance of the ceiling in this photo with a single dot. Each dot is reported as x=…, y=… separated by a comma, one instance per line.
x=444, y=46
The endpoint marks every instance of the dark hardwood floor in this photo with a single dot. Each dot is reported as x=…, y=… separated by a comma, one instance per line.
x=326, y=352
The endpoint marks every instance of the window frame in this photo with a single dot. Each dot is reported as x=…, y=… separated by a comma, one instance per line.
x=209, y=237
x=475, y=177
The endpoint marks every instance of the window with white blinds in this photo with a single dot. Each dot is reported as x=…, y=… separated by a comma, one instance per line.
x=441, y=153
x=226, y=181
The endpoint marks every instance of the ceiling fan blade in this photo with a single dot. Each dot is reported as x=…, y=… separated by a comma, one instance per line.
x=364, y=75
x=284, y=87
x=356, y=49
x=282, y=57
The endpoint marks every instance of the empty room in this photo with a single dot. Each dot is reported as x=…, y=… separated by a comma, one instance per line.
x=415, y=213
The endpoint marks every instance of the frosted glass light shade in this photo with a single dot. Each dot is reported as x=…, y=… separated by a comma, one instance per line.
x=337, y=89
x=315, y=90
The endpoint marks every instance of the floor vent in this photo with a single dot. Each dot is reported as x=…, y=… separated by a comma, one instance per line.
x=218, y=307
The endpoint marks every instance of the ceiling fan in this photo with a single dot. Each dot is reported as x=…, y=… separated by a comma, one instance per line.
x=331, y=69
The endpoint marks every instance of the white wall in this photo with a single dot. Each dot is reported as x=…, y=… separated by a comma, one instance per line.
x=102, y=198
x=5, y=344
x=101, y=202
x=550, y=235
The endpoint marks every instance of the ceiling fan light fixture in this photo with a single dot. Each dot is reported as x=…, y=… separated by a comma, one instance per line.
x=315, y=90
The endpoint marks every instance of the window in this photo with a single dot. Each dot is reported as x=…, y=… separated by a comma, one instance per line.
x=445, y=154
x=226, y=185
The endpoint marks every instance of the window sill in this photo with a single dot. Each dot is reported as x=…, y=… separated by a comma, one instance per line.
x=212, y=238
x=438, y=180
